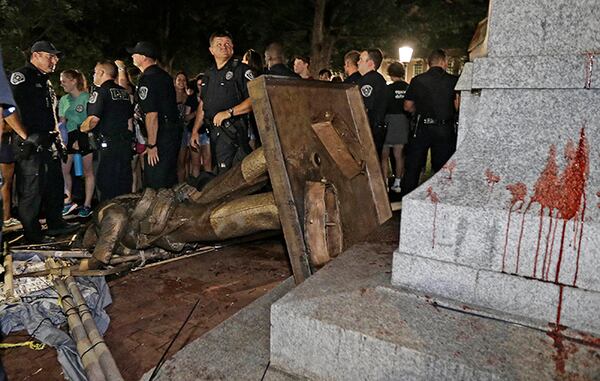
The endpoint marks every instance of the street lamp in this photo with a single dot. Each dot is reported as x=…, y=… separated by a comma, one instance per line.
x=405, y=54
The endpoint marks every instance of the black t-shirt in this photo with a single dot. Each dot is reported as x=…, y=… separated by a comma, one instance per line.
x=395, y=96
x=374, y=93
x=156, y=93
x=111, y=103
x=433, y=94
x=226, y=87
x=354, y=78
x=282, y=70
x=35, y=99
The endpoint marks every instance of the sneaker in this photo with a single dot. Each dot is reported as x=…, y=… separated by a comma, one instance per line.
x=68, y=208
x=11, y=222
x=85, y=212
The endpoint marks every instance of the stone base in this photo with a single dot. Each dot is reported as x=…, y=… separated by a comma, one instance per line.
x=347, y=322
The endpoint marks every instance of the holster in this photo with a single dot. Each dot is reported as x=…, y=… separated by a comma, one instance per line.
x=229, y=142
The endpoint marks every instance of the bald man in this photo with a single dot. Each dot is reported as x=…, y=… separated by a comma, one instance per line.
x=275, y=60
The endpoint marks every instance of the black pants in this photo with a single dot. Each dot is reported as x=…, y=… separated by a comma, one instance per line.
x=114, y=174
x=441, y=138
x=40, y=186
x=229, y=144
x=164, y=173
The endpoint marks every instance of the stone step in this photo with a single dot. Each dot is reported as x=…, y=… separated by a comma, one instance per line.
x=347, y=322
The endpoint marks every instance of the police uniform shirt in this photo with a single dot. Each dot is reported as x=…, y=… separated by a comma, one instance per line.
x=354, y=78
x=374, y=93
x=225, y=88
x=396, y=92
x=282, y=70
x=35, y=99
x=433, y=94
x=156, y=93
x=111, y=103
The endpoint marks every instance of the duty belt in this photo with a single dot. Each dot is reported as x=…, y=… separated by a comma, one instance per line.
x=437, y=121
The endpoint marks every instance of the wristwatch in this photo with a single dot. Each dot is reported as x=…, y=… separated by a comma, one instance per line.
x=230, y=111
x=148, y=145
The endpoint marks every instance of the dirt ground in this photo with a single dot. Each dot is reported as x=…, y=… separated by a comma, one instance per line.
x=150, y=305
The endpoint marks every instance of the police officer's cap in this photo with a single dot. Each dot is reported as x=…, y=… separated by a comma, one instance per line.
x=45, y=46
x=144, y=48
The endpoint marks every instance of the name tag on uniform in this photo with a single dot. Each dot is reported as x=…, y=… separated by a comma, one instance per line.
x=119, y=95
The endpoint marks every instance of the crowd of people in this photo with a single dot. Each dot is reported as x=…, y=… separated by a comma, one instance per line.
x=121, y=135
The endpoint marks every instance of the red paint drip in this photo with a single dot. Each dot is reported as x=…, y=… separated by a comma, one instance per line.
x=573, y=182
x=547, y=243
x=551, y=250
x=521, y=236
x=450, y=166
x=561, y=354
x=435, y=200
x=589, y=70
x=537, y=246
x=491, y=178
x=579, y=243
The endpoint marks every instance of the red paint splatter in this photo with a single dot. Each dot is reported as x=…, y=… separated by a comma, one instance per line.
x=521, y=236
x=579, y=243
x=547, y=194
x=450, y=166
x=491, y=178
x=435, y=200
x=589, y=69
x=573, y=182
x=561, y=354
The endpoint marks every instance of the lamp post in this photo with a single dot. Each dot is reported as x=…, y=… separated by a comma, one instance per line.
x=405, y=54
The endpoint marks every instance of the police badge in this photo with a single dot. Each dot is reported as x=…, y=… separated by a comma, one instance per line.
x=17, y=78
x=229, y=75
x=143, y=92
x=93, y=97
x=366, y=90
x=249, y=75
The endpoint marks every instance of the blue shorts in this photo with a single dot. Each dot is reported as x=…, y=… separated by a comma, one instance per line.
x=204, y=139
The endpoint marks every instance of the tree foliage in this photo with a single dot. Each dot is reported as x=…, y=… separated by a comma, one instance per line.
x=325, y=29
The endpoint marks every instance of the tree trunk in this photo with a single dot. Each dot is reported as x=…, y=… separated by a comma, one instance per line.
x=322, y=42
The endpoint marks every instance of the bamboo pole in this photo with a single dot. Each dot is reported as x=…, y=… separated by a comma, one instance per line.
x=107, y=362
x=84, y=346
x=8, y=275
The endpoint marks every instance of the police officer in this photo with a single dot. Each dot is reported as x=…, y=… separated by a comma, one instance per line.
x=226, y=104
x=274, y=58
x=373, y=90
x=351, y=66
x=38, y=171
x=431, y=97
x=157, y=101
x=110, y=114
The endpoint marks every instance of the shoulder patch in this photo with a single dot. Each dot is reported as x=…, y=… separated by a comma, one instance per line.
x=79, y=108
x=143, y=92
x=366, y=90
x=16, y=78
x=93, y=97
x=249, y=75
x=229, y=75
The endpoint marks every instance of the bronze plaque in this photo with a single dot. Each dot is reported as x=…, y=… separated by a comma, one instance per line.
x=315, y=131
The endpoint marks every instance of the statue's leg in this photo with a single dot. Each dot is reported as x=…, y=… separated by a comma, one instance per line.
x=111, y=223
x=242, y=216
x=244, y=178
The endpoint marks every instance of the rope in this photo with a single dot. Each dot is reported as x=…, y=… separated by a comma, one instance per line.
x=31, y=344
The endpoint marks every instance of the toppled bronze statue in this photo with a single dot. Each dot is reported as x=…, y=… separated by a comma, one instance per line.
x=223, y=208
